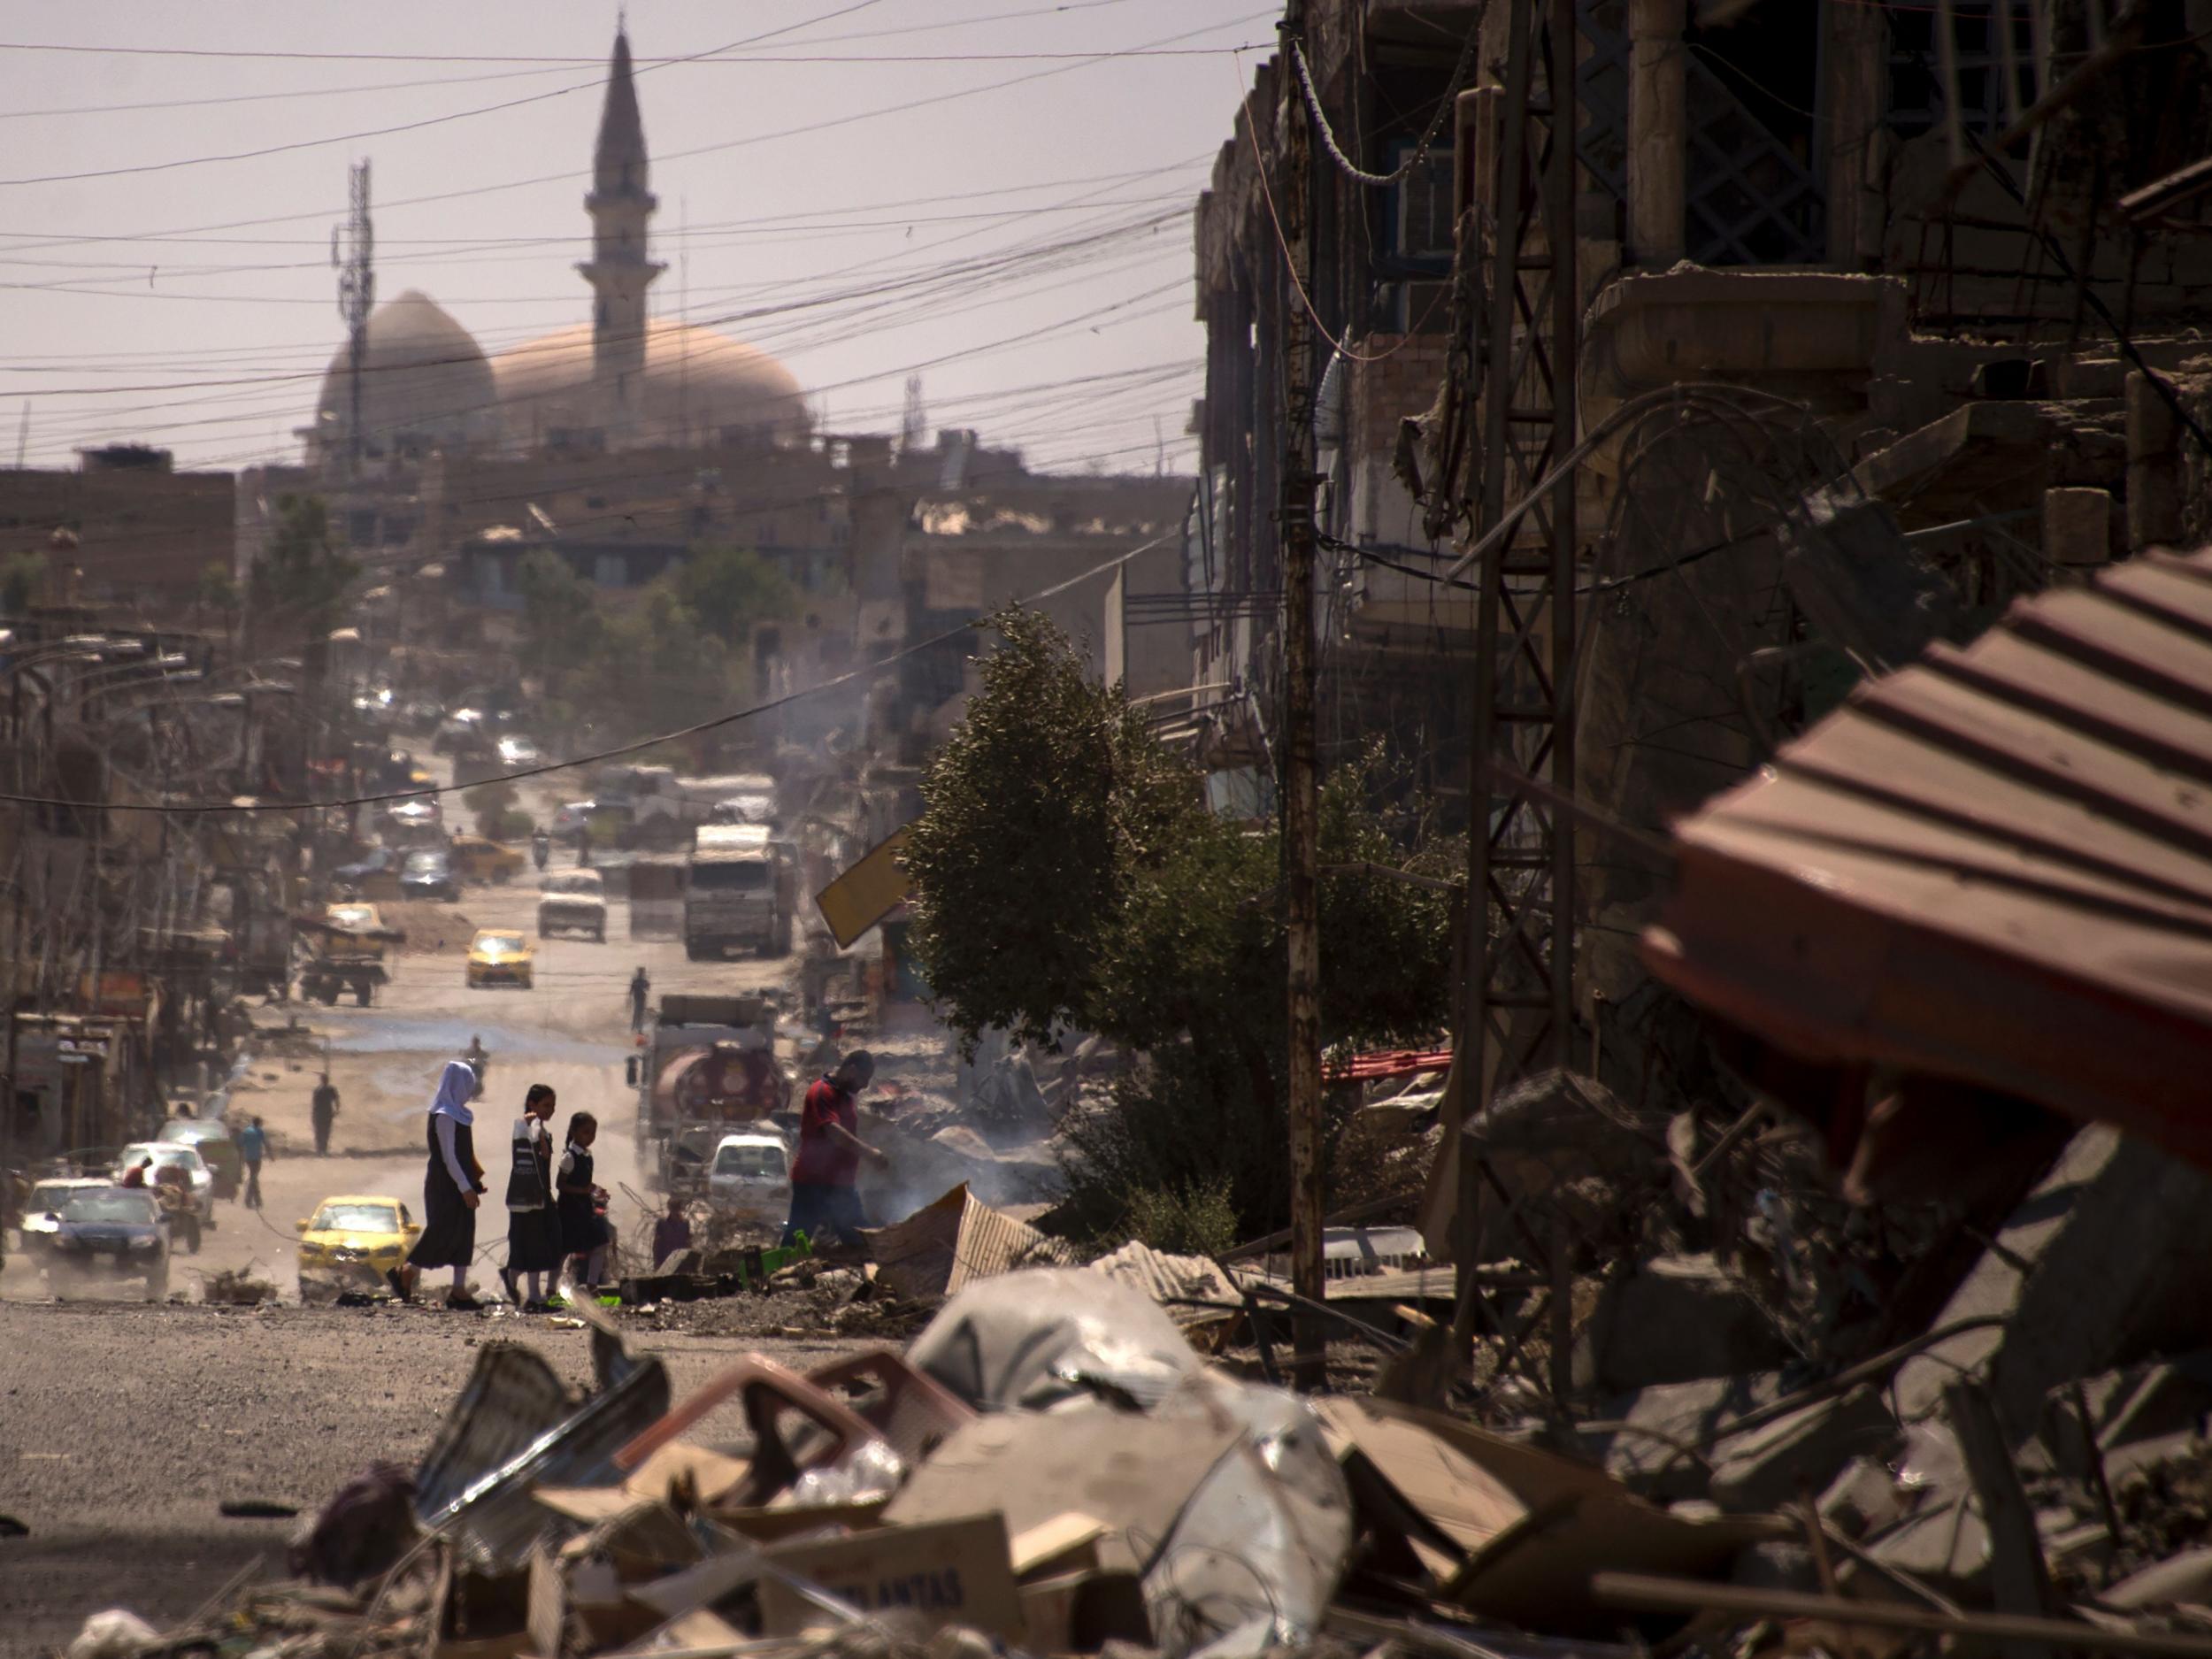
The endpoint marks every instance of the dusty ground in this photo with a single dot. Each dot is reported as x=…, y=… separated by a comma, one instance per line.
x=123, y=1426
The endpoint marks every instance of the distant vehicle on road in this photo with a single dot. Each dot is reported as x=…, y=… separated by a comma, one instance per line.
x=211, y=1138
x=458, y=730
x=735, y=893
x=41, y=1210
x=478, y=859
x=575, y=901
x=517, y=750
x=119, y=1230
x=171, y=1155
x=353, y=1240
x=347, y=952
x=428, y=874
x=751, y=1176
x=498, y=956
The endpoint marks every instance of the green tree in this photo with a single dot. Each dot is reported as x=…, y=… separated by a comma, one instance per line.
x=22, y=578
x=729, y=589
x=215, y=590
x=1067, y=877
x=562, y=626
x=657, y=669
x=1042, y=810
x=303, y=575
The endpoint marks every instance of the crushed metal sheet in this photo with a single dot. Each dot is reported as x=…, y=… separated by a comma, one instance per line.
x=946, y=1244
x=1981, y=857
x=1172, y=1279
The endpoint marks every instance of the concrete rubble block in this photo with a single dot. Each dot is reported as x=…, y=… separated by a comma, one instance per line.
x=1563, y=1147
x=1678, y=1319
x=2141, y=1415
x=1863, y=1499
x=2077, y=526
x=1644, y=1452
x=1763, y=1468
x=2100, y=1265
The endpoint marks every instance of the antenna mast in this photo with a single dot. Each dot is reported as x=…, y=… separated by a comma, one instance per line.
x=352, y=250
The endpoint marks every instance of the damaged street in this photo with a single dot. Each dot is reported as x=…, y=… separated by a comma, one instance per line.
x=1381, y=830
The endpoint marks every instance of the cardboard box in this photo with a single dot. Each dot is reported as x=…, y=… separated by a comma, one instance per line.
x=1080, y=1612
x=943, y=1573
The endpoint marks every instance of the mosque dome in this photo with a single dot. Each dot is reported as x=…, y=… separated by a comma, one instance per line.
x=424, y=385
x=701, y=388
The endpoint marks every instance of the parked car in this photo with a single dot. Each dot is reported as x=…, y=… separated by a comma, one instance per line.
x=41, y=1209
x=575, y=901
x=498, y=956
x=751, y=1175
x=353, y=1240
x=421, y=813
x=478, y=859
x=517, y=750
x=211, y=1140
x=428, y=874
x=120, y=1230
x=170, y=1155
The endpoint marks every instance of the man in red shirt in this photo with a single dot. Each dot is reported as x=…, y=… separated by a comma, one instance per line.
x=823, y=1197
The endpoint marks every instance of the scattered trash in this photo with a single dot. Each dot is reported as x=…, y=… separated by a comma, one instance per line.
x=237, y=1287
x=256, y=1510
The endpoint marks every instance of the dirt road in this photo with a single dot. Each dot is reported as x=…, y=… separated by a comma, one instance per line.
x=124, y=1425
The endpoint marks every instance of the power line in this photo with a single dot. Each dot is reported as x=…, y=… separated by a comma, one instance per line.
x=713, y=723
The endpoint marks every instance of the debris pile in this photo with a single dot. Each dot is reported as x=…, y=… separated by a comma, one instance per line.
x=1693, y=1423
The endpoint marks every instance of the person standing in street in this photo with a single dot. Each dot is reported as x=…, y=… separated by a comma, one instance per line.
x=533, y=1228
x=640, y=989
x=583, y=1232
x=452, y=1187
x=323, y=1113
x=253, y=1146
x=540, y=847
x=824, y=1192
x=672, y=1234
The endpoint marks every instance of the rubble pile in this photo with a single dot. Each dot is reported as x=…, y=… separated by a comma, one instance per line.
x=1724, y=1446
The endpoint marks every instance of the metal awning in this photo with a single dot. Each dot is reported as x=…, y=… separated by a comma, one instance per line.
x=1993, y=867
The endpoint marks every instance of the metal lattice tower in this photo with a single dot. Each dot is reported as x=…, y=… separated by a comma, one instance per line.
x=352, y=250
x=1518, y=993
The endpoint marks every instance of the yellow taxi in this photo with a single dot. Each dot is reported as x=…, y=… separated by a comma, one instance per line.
x=498, y=956
x=352, y=1240
x=477, y=859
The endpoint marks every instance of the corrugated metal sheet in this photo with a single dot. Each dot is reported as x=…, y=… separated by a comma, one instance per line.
x=1170, y=1279
x=953, y=1239
x=1992, y=867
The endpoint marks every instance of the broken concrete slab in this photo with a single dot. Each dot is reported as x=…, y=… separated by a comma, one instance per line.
x=2097, y=1267
x=1761, y=1468
x=1643, y=1445
x=1678, y=1318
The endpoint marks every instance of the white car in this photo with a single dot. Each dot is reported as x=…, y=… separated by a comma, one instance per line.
x=41, y=1210
x=751, y=1174
x=572, y=817
x=169, y=1155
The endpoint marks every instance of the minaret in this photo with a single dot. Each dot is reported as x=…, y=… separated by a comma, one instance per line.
x=618, y=271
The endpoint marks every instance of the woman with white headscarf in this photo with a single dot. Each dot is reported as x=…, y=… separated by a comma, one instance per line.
x=451, y=1188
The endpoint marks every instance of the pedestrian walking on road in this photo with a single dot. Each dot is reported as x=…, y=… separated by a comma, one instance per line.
x=824, y=1193
x=641, y=988
x=452, y=1187
x=583, y=847
x=540, y=847
x=323, y=1113
x=253, y=1146
x=583, y=1231
x=534, y=1226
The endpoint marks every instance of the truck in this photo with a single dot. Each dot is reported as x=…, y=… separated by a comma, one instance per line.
x=663, y=808
x=737, y=889
x=707, y=1065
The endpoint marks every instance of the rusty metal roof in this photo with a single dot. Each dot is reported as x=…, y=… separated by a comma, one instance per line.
x=1994, y=866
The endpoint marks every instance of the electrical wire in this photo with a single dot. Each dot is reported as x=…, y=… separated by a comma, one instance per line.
x=698, y=728
x=1405, y=169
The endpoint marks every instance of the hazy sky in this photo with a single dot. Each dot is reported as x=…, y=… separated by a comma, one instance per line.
x=1020, y=236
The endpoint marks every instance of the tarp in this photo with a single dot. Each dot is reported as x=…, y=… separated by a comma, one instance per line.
x=1993, y=867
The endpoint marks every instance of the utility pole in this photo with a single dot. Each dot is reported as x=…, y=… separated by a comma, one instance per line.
x=352, y=250
x=1300, y=780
